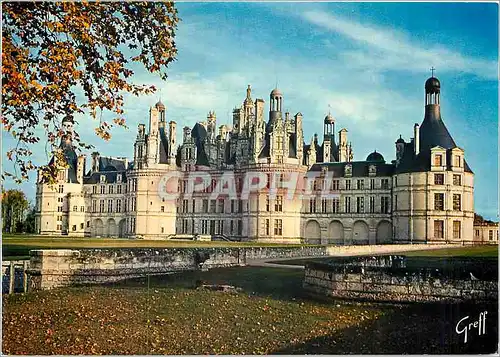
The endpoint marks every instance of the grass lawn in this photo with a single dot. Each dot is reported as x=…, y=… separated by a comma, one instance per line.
x=18, y=246
x=165, y=315
x=489, y=251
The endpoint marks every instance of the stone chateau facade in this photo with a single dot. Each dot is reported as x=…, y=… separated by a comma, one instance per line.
x=425, y=195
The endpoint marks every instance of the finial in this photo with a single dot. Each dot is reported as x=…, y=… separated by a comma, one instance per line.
x=432, y=71
x=249, y=90
x=329, y=109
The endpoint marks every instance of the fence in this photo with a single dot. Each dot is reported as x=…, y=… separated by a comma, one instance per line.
x=14, y=278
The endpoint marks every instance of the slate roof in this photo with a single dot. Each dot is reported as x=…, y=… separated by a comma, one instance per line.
x=111, y=177
x=359, y=168
x=71, y=159
x=432, y=133
x=163, y=146
x=199, y=133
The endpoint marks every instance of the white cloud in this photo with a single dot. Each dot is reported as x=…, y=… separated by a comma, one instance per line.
x=388, y=49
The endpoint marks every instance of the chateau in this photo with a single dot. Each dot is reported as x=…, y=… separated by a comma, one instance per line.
x=425, y=195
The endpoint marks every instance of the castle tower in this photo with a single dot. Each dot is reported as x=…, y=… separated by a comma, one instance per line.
x=152, y=141
x=442, y=211
x=275, y=105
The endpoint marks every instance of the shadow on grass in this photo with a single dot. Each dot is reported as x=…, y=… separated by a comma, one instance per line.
x=411, y=329
x=283, y=284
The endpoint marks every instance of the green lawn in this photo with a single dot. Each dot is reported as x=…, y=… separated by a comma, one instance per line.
x=489, y=251
x=18, y=246
x=166, y=315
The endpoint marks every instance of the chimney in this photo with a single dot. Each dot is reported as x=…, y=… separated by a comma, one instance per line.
x=95, y=161
x=416, y=142
x=80, y=170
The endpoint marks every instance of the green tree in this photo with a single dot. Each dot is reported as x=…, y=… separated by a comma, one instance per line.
x=65, y=58
x=29, y=222
x=14, y=206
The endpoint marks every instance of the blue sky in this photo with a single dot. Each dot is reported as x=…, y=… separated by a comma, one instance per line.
x=367, y=61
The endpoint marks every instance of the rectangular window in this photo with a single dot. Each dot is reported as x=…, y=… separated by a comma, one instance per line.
x=372, y=184
x=194, y=206
x=88, y=224
x=59, y=218
x=185, y=206
x=204, y=226
x=438, y=179
x=110, y=189
x=103, y=189
x=457, y=202
x=232, y=208
x=335, y=185
x=119, y=189
x=347, y=184
x=312, y=205
x=118, y=206
x=59, y=209
x=456, y=230
x=82, y=208
x=347, y=204
x=240, y=227
x=438, y=160
x=205, y=206
x=439, y=229
x=278, y=204
x=458, y=161
x=323, y=205
x=94, y=206
x=59, y=227
x=73, y=227
x=384, y=204
x=231, y=226
x=372, y=204
x=335, y=205
x=75, y=208
x=110, y=206
x=268, y=208
x=221, y=206
x=385, y=184
x=212, y=206
x=101, y=206
x=81, y=225
x=395, y=202
x=477, y=232
x=457, y=180
x=240, y=206
x=278, y=227
x=267, y=227
x=439, y=201
x=360, y=184
x=490, y=235
x=94, y=189
x=61, y=189
x=360, y=204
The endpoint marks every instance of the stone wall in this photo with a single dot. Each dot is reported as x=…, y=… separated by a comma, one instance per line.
x=389, y=279
x=55, y=268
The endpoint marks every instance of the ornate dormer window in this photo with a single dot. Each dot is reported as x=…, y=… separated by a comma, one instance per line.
x=438, y=158
x=348, y=170
x=372, y=170
x=119, y=178
x=102, y=179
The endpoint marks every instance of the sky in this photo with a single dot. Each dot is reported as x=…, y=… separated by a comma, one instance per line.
x=366, y=63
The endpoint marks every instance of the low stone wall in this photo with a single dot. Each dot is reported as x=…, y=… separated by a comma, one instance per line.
x=389, y=279
x=55, y=268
